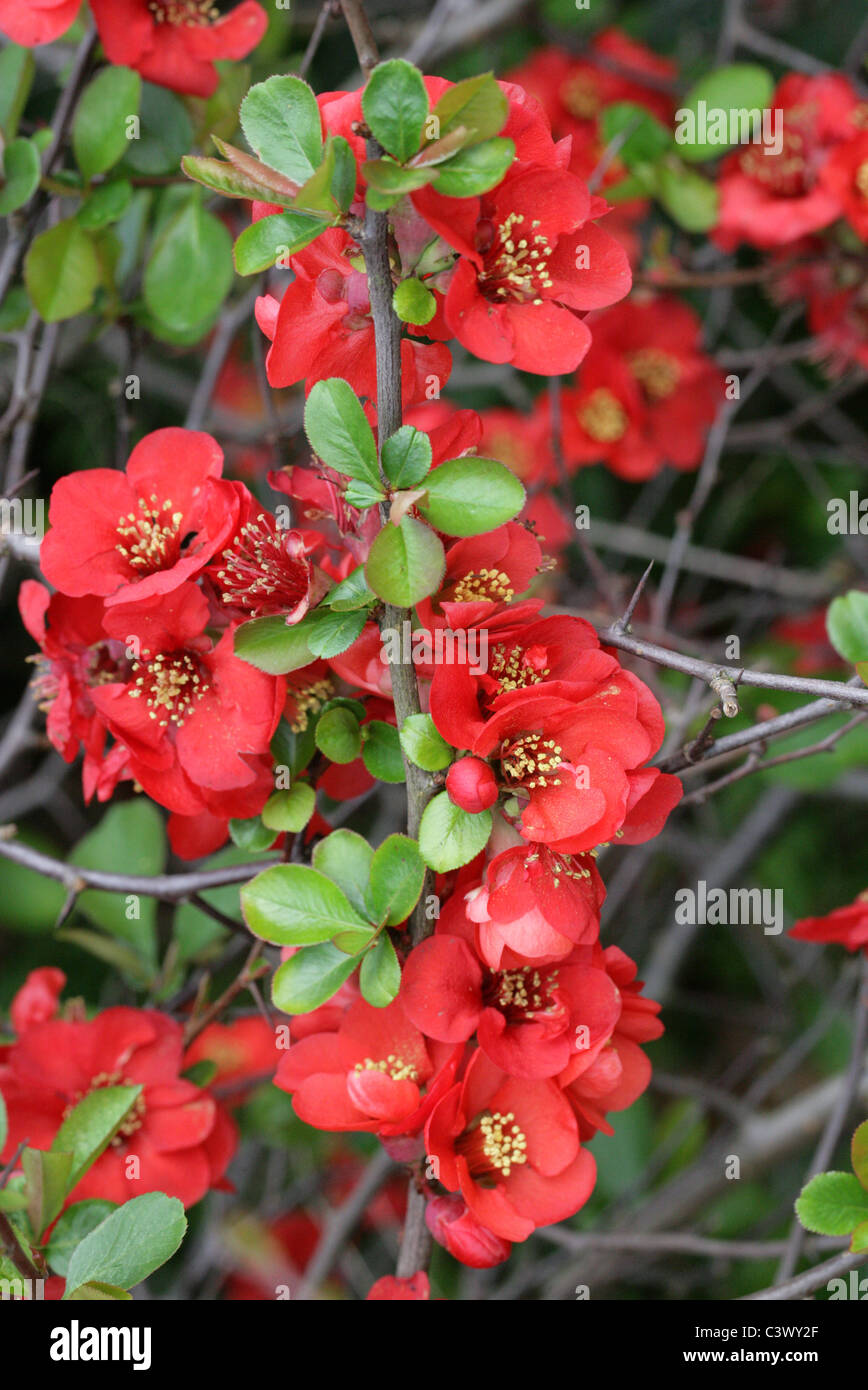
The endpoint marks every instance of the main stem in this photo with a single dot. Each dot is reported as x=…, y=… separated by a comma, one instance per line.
x=415, y=1249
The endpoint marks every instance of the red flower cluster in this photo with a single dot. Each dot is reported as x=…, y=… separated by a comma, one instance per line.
x=174, y=43
x=180, y=1138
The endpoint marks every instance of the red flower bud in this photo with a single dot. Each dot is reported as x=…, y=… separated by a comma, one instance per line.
x=453, y=1225
x=471, y=784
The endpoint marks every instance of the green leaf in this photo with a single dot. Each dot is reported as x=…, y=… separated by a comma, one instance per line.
x=99, y=131
x=468, y=496
x=290, y=810
x=397, y=877
x=423, y=745
x=362, y=495
x=251, y=834
x=392, y=180
x=17, y=67
x=89, y=1128
x=338, y=735
x=352, y=593
x=477, y=104
x=382, y=751
x=329, y=633
x=406, y=563
x=129, y=1244
x=691, y=200
x=97, y=1291
x=229, y=181
x=271, y=645
x=274, y=238
x=413, y=302
x=278, y=188
x=62, y=271
x=345, y=175
x=475, y=170
x=189, y=271
x=847, y=625
x=380, y=975
x=130, y=833
x=346, y=858
x=736, y=87
x=166, y=133
x=395, y=104
x=293, y=905
x=860, y=1238
x=201, y=1073
x=406, y=456
x=281, y=121
x=106, y=204
x=450, y=837
x=832, y=1204
x=858, y=1153
x=47, y=1176
x=339, y=434
x=648, y=138
x=310, y=978
x=21, y=174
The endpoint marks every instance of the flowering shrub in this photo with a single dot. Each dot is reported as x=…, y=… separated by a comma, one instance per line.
x=343, y=657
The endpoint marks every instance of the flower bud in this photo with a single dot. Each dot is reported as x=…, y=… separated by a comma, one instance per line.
x=471, y=784
x=453, y=1225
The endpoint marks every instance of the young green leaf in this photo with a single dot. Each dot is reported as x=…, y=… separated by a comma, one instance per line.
x=475, y=170
x=732, y=89
x=339, y=434
x=381, y=751
x=691, y=200
x=99, y=131
x=468, y=496
x=832, y=1204
x=290, y=810
x=329, y=632
x=105, y=204
x=450, y=837
x=395, y=104
x=413, y=302
x=62, y=271
x=352, y=593
x=345, y=858
x=406, y=457
x=272, y=646
x=406, y=563
x=71, y=1228
x=274, y=238
x=394, y=180
x=92, y=1124
x=21, y=173
x=478, y=104
x=645, y=138
x=251, y=835
x=129, y=1244
x=310, y=978
x=380, y=975
x=293, y=905
x=397, y=876
x=847, y=625
x=17, y=67
x=47, y=1176
x=423, y=745
x=338, y=735
x=281, y=121
x=189, y=271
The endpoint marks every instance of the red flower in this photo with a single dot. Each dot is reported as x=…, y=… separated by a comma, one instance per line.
x=369, y=1075
x=175, y=43
x=846, y=177
x=265, y=570
x=323, y=328
x=522, y=442
x=77, y=659
x=193, y=715
x=453, y=1225
x=770, y=199
x=533, y=907
x=181, y=1137
x=414, y=1289
x=511, y=1148
x=471, y=784
x=665, y=416
x=525, y=1017
x=31, y=22
x=129, y=536
x=36, y=1000
x=846, y=926
x=514, y=293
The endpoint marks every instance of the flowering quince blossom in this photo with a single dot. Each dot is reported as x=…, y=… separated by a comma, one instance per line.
x=181, y=1136
x=32, y=22
x=845, y=926
x=175, y=43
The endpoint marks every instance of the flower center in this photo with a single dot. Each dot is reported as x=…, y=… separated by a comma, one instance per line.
x=493, y=1145
x=514, y=668
x=151, y=538
x=191, y=13
x=308, y=700
x=656, y=372
x=521, y=993
x=134, y=1119
x=603, y=417
x=393, y=1066
x=861, y=179
x=516, y=265
x=265, y=570
x=581, y=97
x=531, y=760
x=786, y=174
x=171, y=684
x=493, y=585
